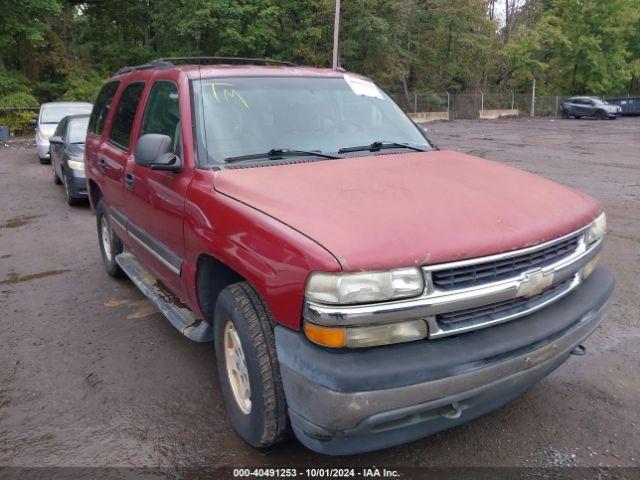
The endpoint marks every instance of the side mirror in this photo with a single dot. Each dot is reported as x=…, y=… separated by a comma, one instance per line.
x=33, y=122
x=55, y=140
x=155, y=151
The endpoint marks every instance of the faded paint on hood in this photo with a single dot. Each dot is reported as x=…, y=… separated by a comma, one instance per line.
x=397, y=210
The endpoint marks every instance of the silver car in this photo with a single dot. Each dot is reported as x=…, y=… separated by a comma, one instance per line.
x=50, y=115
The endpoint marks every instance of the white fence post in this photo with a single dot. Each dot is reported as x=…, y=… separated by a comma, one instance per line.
x=336, y=37
x=513, y=99
x=533, y=99
x=415, y=102
x=481, y=103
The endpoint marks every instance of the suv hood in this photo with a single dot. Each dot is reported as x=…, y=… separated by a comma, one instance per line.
x=48, y=128
x=396, y=210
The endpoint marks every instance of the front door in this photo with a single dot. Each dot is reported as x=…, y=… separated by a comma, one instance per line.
x=155, y=199
x=56, y=149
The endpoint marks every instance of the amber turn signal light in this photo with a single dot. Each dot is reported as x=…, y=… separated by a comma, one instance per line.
x=328, y=337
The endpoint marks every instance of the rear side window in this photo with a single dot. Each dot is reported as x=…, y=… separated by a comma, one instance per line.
x=125, y=114
x=162, y=114
x=101, y=108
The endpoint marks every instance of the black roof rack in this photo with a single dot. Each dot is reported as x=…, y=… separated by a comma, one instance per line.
x=146, y=66
x=171, y=61
x=232, y=60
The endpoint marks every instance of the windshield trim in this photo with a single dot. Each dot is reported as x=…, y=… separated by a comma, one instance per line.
x=199, y=150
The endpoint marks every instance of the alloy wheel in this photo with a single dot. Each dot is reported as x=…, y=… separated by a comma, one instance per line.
x=237, y=371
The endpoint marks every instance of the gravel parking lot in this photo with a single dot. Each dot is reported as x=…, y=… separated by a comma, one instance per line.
x=91, y=374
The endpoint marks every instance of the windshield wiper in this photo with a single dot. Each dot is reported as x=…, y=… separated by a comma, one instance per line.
x=276, y=153
x=379, y=145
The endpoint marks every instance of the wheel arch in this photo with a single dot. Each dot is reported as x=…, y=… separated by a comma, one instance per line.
x=95, y=194
x=212, y=276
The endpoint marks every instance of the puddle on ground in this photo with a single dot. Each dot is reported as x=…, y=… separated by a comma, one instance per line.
x=14, y=278
x=19, y=221
x=140, y=308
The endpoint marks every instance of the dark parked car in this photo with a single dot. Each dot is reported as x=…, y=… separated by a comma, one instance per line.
x=67, y=157
x=579, y=107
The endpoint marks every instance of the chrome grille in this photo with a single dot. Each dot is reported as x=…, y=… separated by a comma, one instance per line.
x=493, y=271
x=467, y=295
x=506, y=307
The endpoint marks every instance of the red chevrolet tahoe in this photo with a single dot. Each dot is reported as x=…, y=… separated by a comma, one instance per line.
x=362, y=287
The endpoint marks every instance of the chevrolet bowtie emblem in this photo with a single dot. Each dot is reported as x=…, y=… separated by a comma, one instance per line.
x=534, y=283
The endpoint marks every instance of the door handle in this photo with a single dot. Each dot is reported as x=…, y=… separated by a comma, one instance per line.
x=129, y=180
x=102, y=163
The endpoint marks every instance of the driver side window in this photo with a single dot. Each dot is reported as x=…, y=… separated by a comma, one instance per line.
x=162, y=113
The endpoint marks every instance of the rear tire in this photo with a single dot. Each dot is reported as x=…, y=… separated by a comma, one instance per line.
x=248, y=366
x=565, y=114
x=110, y=244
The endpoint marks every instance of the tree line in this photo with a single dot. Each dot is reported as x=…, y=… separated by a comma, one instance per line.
x=65, y=49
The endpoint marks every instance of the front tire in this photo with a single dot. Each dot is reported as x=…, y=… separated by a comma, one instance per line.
x=44, y=161
x=601, y=115
x=71, y=200
x=248, y=366
x=56, y=178
x=110, y=244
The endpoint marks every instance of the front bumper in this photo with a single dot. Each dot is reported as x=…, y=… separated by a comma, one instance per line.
x=43, y=147
x=77, y=183
x=344, y=402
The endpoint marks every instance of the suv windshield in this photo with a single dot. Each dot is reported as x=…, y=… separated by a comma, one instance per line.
x=246, y=116
x=55, y=113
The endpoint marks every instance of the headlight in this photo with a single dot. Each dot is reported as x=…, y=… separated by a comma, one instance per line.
x=43, y=136
x=366, y=336
x=597, y=228
x=75, y=165
x=349, y=288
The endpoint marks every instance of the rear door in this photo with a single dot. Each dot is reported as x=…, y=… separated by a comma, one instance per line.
x=95, y=131
x=155, y=199
x=113, y=154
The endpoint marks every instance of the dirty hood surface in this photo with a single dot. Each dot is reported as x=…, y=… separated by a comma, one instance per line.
x=419, y=208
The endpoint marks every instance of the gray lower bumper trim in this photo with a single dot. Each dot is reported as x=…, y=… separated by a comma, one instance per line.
x=340, y=422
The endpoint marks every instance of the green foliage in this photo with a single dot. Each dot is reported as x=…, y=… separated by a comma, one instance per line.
x=83, y=88
x=12, y=82
x=18, y=100
x=12, y=105
x=18, y=121
x=64, y=50
x=579, y=46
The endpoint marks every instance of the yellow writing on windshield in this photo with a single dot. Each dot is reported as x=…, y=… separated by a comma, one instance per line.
x=228, y=93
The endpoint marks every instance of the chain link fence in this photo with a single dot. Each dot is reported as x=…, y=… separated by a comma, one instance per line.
x=473, y=106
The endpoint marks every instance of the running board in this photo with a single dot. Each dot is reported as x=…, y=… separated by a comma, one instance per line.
x=169, y=305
